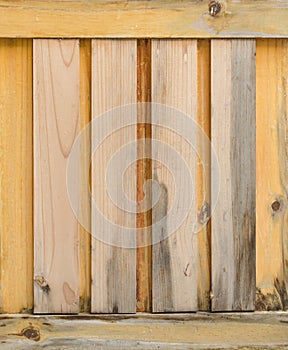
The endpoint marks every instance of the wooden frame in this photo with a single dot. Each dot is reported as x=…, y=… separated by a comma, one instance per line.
x=139, y=19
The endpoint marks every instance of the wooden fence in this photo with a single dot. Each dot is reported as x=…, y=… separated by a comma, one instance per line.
x=51, y=89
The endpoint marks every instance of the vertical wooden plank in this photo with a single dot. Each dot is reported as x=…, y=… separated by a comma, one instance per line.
x=144, y=173
x=16, y=235
x=233, y=138
x=114, y=82
x=85, y=118
x=272, y=175
x=56, y=122
x=203, y=179
x=174, y=260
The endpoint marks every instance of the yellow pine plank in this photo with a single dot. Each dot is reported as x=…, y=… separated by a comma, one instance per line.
x=16, y=235
x=203, y=179
x=140, y=19
x=174, y=260
x=85, y=117
x=233, y=119
x=56, y=122
x=114, y=84
x=272, y=175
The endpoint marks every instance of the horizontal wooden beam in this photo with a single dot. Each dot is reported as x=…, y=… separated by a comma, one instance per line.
x=142, y=19
x=220, y=331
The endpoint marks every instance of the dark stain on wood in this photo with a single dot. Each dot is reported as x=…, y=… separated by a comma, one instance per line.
x=272, y=301
x=42, y=283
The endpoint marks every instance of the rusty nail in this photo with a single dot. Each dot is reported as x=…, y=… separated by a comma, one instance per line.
x=214, y=8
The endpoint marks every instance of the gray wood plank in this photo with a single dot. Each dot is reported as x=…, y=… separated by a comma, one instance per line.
x=233, y=138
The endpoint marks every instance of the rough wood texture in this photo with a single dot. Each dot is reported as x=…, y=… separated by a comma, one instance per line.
x=182, y=331
x=56, y=121
x=85, y=117
x=114, y=81
x=233, y=138
x=174, y=83
x=272, y=175
x=203, y=179
x=156, y=18
x=16, y=234
x=144, y=173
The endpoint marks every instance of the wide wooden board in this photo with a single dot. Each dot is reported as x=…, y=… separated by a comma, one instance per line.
x=175, y=259
x=233, y=139
x=142, y=19
x=56, y=122
x=16, y=206
x=272, y=175
x=114, y=84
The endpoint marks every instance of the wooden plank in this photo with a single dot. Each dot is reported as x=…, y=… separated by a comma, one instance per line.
x=203, y=179
x=272, y=175
x=16, y=234
x=144, y=173
x=233, y=138
x=114, y=81
x=174, y=83
x=140, y=19
x=180, y=331
x=56, y=121
x=85, y=118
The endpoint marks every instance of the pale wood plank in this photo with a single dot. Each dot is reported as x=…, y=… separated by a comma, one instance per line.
x=85, y=118
x=203, y=179
x=174, y=83
x=144, y=173
x=56, y=121
x=16, y=234
x=233, y=138
x=272, y=175
x=114, y=82
x=140, y=19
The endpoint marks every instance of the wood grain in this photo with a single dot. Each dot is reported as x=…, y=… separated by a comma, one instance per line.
x=272, y=175
x=144, y=173
x=114, y=81
x=16, y=234
x=203, y=179
x=142, y=19
x=85, y=118
x=146, y=331
x=56, y=122
x=174, y=83
x=233, y=138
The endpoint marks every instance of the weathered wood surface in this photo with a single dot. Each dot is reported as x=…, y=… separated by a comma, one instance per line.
x=233, y=138
x=272, y=175
x=204, y=331
x=156, y=18
x=174, y=261
x=114, y=84
x=85, y=236
x=16, y=234
x=56, y=122
x=144, y=173
x=203, y=179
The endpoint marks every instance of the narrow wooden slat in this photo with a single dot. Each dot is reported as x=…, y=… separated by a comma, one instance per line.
x=203, y=179
x=144, y=173
x=272, y=175
x=140, y=19
x=56, y=122
x=85, y=118
x=16, y=235
x=233, y=138
x=174, y=83
x=114, y=81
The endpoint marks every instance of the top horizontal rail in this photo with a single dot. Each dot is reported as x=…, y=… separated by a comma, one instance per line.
x=142, y=19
